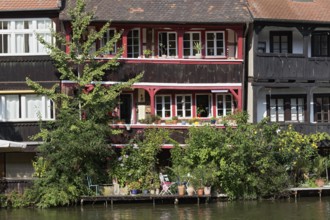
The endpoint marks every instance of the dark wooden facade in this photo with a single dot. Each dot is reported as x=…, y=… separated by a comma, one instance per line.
x=293, y=73
x=15, y=69
x=212, y=72
x=293, y=68
x=18, y=131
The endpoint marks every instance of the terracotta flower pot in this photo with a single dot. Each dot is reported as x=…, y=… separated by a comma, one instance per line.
x=200, y=192
x=181, y=190
x=319, y=182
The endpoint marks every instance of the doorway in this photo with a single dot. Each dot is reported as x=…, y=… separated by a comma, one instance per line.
x=203, y=106
x=126, y=108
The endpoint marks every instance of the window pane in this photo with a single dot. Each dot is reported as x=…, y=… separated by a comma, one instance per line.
x=12, y=107
x=33, y=107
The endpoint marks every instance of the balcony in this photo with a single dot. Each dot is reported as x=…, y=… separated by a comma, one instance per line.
x=179, y=131
x=179, y=70
x=290, y=68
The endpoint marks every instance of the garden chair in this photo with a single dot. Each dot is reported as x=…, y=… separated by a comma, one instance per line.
x=91, y=185
x=165, y=184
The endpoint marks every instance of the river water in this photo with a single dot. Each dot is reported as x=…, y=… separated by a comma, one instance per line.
x=302, y=209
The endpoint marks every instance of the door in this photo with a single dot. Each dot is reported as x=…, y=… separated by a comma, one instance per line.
x=203, y=105
x=126, y=108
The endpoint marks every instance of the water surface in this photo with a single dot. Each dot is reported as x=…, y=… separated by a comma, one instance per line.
x=302, y=209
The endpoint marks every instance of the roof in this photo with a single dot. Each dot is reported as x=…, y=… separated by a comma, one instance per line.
x=168, y=11
x=29, y=5
x=292, y=10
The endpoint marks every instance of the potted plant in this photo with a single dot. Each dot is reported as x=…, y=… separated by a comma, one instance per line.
x=213, y=120
x=181, y=174
x=209, y=178
x=147, y=53
x=134, y=186
x=200, y=111
x=198, y=48
x=194, y=121
x=197, y=179
x=319, y=166
x=175, y=119
x=155, y=119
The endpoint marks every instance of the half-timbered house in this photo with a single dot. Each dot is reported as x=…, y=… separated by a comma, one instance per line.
x=178, y=80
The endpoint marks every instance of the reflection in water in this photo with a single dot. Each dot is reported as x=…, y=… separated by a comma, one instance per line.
x=303, y=209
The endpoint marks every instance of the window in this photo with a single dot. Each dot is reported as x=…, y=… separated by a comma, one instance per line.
x=107, y=37
x=167, y=44
x=189, y=40
x=281, y=42
x=320, y=44
x=163, y=106
x=286, y=108
x=203, y=106
x=19, y=36
x=25, y=107
x=133, y=43
x=215, y=43
x=225, y=105
x=183, y=106
x=322, y=108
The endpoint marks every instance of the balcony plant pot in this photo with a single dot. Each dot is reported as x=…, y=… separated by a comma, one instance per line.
x=181, y=189
x=207, y=190
x=198, y=56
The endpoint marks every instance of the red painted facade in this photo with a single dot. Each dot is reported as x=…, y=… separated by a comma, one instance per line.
x=158, y=96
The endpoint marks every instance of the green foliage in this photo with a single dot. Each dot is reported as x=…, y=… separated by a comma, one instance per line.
x=134, y=185
x=74, y=148
x=12, y=200
x=139, y=161
x=249, y=161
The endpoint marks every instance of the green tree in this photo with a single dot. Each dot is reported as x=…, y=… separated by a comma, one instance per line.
x=74, y=147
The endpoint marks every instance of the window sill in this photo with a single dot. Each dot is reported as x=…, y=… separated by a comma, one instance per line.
x=279, y=55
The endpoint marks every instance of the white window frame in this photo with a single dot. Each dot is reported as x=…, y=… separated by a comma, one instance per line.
x=163, y=110
x=107, y=37
x=191, y=44
x=46, y=110
x=168, y=43
x=133, y=45
x=210, y=113
x=215, y=45
x=35, y=47
x=183, y=105
x=224, y=110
